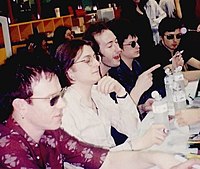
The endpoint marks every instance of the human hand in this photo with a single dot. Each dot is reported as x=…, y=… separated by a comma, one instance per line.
x=177, y=60
x=198, y=28
x=187, y=117
x=107, y=85
x=145, y=80
x=155, y=135
x=147, y=106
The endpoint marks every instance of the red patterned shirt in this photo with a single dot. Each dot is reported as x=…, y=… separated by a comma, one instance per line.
x=18, y=150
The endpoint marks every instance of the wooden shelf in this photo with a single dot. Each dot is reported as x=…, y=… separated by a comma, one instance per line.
x=21, y=31
x=39, y=26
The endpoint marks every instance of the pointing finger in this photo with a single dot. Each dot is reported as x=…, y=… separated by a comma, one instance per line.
x=152, y=68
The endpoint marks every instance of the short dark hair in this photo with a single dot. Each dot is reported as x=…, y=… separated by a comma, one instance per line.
x=122, y=28
x=17, y=74
x=91, y=31
x=168, y=24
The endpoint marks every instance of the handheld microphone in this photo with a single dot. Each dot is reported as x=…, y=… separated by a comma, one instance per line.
x=184, y=30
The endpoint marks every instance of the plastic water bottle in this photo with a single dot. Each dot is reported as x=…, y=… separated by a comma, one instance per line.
x=179, y=94
x=168, y=80
x=160, y=109
x=179, y=79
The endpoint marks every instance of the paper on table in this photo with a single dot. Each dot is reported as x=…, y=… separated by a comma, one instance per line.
x=190, y=89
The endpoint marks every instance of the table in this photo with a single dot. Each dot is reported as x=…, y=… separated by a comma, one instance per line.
x=177, y=139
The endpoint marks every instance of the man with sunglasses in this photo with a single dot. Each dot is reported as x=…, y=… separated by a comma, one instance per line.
x=170, y=47
x=106, y=44
x=170, y=37
x=130, y=73
x=30, y=114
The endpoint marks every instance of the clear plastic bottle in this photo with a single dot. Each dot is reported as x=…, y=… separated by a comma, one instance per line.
x=160, y=109
x=179, y=79
x=168, y=80
x=179, y=94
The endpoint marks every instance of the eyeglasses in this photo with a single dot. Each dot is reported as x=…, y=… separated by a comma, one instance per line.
x=132, y=44
x=172, y=36
x=89, y=59
x=54, y=99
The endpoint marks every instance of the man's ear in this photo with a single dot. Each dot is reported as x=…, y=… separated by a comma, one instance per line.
x=70, y=75
x=161, y=38
x=19, y=104
x=20, y=107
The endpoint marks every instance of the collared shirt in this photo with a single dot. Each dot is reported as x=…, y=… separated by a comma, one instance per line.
x=18, y=150
x=95, y=126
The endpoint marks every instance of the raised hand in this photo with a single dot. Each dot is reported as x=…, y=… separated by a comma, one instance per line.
x=143, y=83
x=145, y=80
x=177, y=60
x=107, y=85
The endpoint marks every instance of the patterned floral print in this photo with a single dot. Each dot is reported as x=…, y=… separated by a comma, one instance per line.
x=11, y=160
x=19, y=151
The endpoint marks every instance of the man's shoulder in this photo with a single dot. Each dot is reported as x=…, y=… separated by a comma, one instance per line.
x=10, y=141
x=159, y=50
x=159, y=47
x=4, y=131
x=114, y=71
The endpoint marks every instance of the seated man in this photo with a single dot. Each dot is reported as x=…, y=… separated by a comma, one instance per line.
x=170, y=34
x=105, y=44
x=130, y=73
x=30, y=116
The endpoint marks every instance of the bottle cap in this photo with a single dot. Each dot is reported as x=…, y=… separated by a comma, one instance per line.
x=168, y=71
x=178, y=69
x=156, y=95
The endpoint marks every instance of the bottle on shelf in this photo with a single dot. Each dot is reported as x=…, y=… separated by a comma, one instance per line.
x=168, y=80
x=160, y=109
x=114, y=6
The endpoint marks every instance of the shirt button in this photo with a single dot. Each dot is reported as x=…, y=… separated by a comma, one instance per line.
x=38, y=157
x=36, y=145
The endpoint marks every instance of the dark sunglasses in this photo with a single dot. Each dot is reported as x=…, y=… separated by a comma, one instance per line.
x=172, y=36
x=133, y=44
x=54, y=99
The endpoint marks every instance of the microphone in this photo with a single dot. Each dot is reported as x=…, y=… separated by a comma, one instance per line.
x=184, y=30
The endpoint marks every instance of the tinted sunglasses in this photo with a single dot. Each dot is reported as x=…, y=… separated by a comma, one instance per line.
x=172, y=36
x=54, y=99
x=132, y=44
